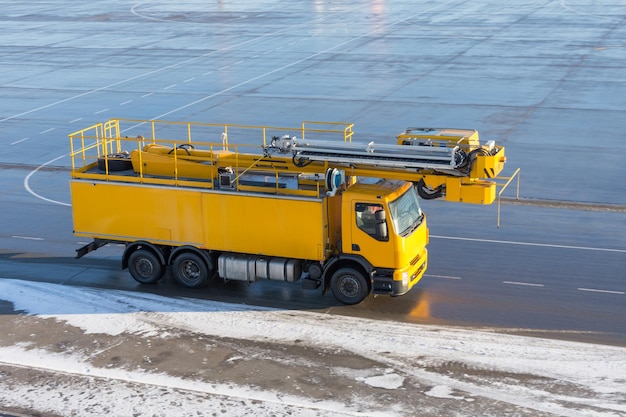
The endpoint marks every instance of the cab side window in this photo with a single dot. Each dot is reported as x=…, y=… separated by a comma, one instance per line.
x=368, y=221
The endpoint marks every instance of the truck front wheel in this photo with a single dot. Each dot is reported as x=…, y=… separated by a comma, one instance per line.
x=190, y=270
x=349, y=286
x=145, y=267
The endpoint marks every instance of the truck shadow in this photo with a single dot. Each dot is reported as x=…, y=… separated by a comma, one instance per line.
x=56, y=274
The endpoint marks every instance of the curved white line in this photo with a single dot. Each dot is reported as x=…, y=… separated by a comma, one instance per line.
x=156, y=19
x=30, y=190
x=133, y=11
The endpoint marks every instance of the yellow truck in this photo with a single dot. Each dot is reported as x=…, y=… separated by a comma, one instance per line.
x=247, y=203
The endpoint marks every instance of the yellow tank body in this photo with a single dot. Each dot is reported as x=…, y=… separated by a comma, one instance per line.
x=291, y=227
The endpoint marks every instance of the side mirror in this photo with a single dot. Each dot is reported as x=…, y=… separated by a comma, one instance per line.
x=382, y=233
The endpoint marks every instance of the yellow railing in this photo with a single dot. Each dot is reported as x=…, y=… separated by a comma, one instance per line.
x=346, y=129
x=114, y=129
x=103, y=141
x=505, y=185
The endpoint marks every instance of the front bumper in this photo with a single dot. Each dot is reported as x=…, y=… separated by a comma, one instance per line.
x=400, y=281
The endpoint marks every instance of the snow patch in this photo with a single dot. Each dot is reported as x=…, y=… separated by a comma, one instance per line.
x=386, y=381
x=442, y=391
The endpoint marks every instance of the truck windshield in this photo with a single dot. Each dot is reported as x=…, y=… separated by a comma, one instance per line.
x=406, y=213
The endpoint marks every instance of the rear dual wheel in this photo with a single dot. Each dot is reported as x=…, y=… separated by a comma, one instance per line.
x=190, y=270
x=145, y=267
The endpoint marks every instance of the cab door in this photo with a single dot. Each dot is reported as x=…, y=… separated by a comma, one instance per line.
x=370, y=233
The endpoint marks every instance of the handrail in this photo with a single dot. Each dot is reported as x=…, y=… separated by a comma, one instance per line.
x=107, y=136
x=346, y=130
x=504, y=186
x=88, y=146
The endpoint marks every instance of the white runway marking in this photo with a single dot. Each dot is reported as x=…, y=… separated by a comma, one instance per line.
x=441, y=276
x=601, y=291
x=18, y=141
x=527, y=284
x=545, y=245
x=27, y=237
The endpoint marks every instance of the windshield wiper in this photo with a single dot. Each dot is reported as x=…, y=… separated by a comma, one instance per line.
x=414, y=226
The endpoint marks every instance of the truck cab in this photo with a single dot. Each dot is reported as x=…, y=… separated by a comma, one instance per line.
x=384, y=237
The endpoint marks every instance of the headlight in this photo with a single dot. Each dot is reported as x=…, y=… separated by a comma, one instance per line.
x=405, y=278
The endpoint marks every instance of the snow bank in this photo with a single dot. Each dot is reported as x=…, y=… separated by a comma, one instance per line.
x=417, y=350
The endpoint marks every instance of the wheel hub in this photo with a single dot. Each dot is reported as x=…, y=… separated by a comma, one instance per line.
x=144, y=267
x=191, y=270
x=349, y=286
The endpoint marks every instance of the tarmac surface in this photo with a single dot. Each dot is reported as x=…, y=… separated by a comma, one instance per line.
x=544, y=78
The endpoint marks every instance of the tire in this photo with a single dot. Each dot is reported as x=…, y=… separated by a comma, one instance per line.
x=190, y=270
x=349, y=286
x=144, y=266
x=115, y=162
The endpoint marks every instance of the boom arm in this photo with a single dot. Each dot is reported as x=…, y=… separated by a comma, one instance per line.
x=441, y=162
